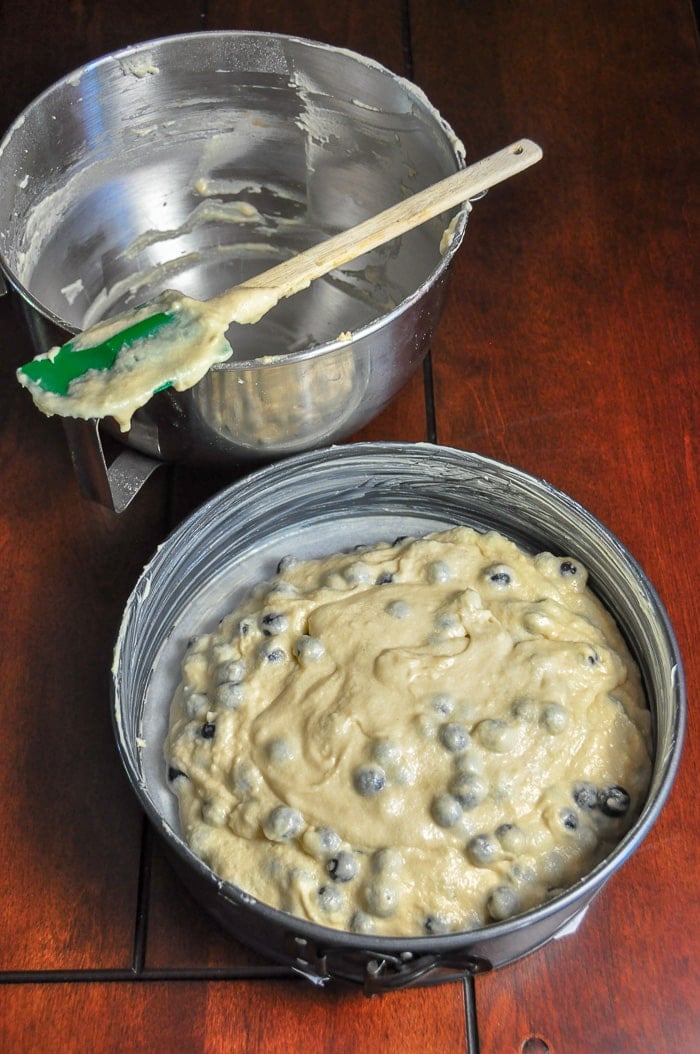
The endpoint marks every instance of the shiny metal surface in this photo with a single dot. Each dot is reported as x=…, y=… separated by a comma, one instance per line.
x=197, y=161
x=322, y=502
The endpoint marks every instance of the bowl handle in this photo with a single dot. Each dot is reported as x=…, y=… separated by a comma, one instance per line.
x=379, y=972
x=113, y=485
x=386, y=975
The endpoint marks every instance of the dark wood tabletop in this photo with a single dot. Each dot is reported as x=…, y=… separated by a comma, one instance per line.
x=568, y=348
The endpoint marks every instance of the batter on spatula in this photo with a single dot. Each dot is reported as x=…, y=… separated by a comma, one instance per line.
x=171, y=342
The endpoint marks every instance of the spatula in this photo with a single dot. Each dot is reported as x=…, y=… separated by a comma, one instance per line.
x=115, y=367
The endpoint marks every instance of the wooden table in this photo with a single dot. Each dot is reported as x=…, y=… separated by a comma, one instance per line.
x=568, y=348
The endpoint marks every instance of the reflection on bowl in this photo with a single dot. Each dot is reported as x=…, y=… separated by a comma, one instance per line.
x=198, y=161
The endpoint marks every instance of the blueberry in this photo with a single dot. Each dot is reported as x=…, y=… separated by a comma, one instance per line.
x=282, y=588
x=245, y=626
x=502, y=903
x=469, y=789
x=328, y=839
x=438, y=572
x=196, y=705
x=448, y=624
x=496, y=736
x=521, y=875
x=398, y=609
x=585, y=795
x=501, y=578
x=454, y=737
x=469, y=763
x=343, y=867
x=511, y=837
x=390, y=759
x=382, y=899
x=567, y=568
x=388, y=861
x=283, y=824
x=386, y=751
x=525, y=709
x=229, y=695
x=614, y=800
x=483, y=850
x=361, y=923
x=369, y=780
x=499, y=575
x=384, y=579
x=273, y=623
x=208, y=730
x=174, y=773
x=357, y=574
x=279, y=751
x=233, y=671
x=554, y=718
x=308, y=649
x=568, y=819
x=331, y=899
x=320, y=842
x=443, y=703
x=434, y=925
x=272, y=653
x=245, y=779
x=446, y=810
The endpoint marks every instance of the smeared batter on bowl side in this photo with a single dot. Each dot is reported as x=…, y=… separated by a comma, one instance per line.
x=412, y=738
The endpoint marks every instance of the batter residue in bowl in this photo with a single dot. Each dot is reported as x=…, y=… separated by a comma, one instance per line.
x=411, y=738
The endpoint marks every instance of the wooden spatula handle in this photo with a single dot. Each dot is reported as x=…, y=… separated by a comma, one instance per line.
x=296, y=273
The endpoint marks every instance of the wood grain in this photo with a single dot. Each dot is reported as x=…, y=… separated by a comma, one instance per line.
x=374, y=31
x=568, y=347
x=44, y=41
x=68, y=885
x=69, y=823
x=224, y=1018
x=570, y=350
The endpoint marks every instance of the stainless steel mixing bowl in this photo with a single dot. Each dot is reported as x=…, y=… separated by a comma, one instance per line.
x=322, y=502
x=197, y=161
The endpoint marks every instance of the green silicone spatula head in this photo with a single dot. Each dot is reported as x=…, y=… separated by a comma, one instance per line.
x=115, y=367
x=69, y=362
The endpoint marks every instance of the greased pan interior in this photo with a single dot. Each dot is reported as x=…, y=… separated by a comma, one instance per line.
x=326, y=501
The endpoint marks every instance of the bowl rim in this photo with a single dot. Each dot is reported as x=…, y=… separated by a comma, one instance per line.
x=117, y=56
